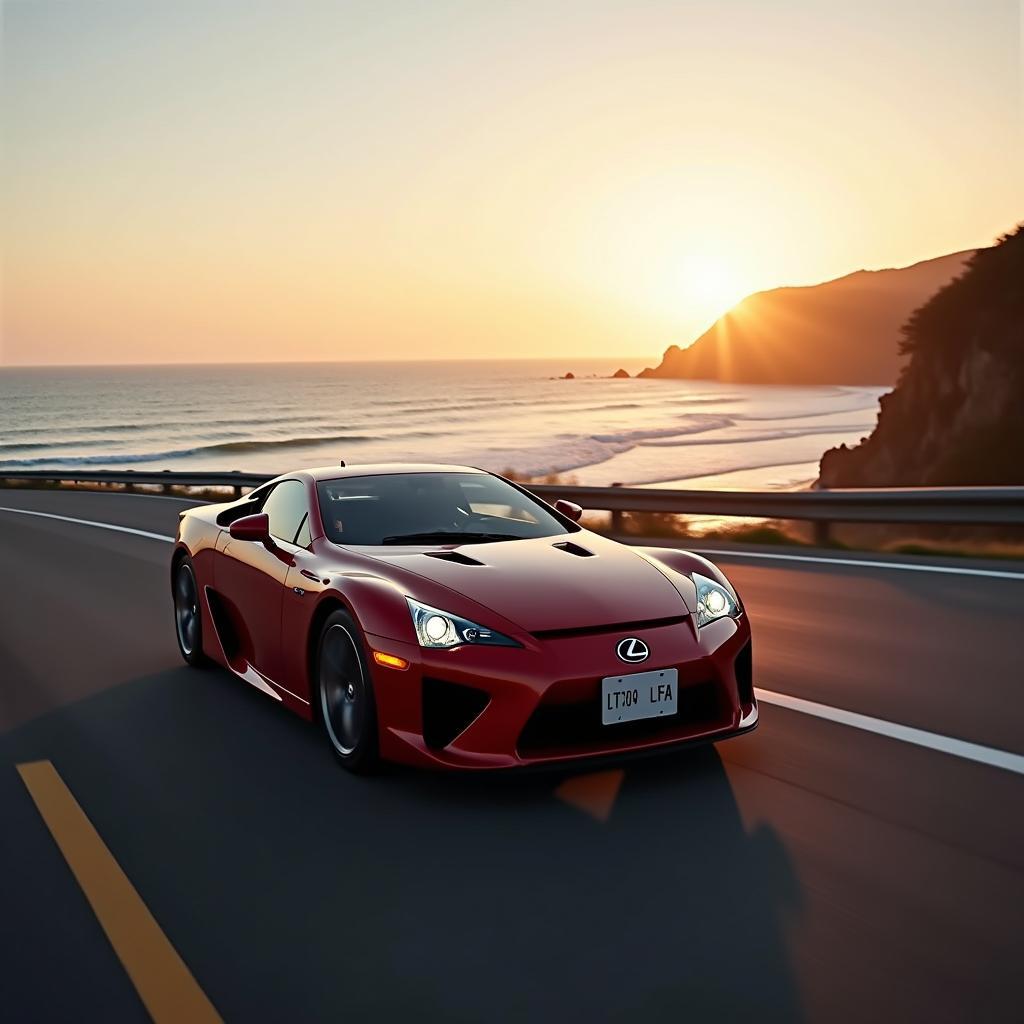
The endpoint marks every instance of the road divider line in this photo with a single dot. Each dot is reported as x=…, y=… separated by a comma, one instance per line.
x=163, y=981
x=905, y=733
x=88, y=522
x=866, y=563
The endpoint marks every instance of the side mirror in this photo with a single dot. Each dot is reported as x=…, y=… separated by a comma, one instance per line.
x=254, y=528
x=569, y=509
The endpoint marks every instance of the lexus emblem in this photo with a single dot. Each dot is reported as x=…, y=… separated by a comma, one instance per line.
x=632, y=650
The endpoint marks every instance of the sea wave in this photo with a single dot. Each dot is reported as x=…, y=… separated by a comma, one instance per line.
x=576, y=452
x=30, y=446
x=225, y=448
x=782, y=434
x=142, y=426
x=698, y=423
x=287, y=442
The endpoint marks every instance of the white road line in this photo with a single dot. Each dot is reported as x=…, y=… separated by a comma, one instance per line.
x=88, y=522
x=933, y=741
x=955, y=570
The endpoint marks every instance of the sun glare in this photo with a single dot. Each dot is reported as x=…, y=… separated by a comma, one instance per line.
x=708, y=286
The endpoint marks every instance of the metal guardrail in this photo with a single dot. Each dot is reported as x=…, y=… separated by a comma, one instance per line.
x=952, y=506
x=949, y=506
x=988, y=506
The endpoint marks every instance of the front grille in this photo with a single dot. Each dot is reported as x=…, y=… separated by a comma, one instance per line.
x=615, y=627
x=449, y=709
x=554, y=726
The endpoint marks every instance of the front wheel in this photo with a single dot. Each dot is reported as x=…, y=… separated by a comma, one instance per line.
x=188, y=621
x=345, y=691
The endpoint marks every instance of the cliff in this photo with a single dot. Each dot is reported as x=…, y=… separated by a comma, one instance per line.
x=844, y=331
x=957, y=414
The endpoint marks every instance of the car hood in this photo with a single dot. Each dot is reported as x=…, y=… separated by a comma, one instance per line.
x=574, y=581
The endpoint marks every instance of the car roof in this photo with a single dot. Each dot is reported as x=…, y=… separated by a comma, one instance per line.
x=384, y=468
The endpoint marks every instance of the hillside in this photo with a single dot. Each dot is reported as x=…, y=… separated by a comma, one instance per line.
x=957, y=414
x=844, y=331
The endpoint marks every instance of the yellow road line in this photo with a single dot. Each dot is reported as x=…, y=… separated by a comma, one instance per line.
x=164, y=983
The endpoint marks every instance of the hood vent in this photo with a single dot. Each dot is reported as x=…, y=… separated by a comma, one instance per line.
x=573, y=549
x=453, y=556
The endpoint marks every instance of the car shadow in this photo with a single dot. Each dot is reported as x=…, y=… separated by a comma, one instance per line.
x=295, y=891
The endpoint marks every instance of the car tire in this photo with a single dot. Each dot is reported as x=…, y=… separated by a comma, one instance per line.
x=345, y=700
x=188, y=619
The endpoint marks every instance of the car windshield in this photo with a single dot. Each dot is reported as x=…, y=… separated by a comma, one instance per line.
x=431, y=508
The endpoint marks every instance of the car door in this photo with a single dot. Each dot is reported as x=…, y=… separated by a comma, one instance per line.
x=303, y=586
x=252, y=578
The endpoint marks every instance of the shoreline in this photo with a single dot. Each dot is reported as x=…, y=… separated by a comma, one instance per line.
x=593, y=431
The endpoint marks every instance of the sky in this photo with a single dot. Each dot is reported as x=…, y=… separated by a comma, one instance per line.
x=250, y=181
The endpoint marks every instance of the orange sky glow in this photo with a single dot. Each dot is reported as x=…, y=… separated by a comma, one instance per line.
x=307, y=181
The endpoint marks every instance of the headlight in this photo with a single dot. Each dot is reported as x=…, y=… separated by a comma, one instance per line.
x=435, y=628
x=713, y=601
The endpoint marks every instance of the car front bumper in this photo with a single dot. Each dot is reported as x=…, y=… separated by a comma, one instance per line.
x=499, y=707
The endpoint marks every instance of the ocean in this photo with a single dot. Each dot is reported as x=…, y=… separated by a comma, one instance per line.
x=514, y=415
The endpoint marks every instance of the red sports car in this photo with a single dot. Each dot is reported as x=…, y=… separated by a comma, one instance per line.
x=444, y=616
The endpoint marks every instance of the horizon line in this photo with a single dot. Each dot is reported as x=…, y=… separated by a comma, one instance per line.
x=318, y=362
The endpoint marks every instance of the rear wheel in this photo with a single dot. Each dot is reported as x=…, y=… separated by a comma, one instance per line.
x=188, y=621
x=345, y=691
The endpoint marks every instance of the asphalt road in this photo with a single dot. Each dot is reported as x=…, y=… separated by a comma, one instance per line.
x=810, y=871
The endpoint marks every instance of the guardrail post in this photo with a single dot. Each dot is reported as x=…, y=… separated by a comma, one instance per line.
x=617, y=520
x=822, y=532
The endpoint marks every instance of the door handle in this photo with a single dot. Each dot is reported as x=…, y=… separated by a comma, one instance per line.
x=310, y=575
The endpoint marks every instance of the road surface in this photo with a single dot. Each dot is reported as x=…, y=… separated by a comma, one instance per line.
x=810, y=871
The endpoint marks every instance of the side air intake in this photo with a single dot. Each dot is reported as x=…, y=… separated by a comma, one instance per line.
x=449, y=709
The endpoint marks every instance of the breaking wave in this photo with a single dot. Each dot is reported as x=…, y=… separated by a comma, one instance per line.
x=225, y=448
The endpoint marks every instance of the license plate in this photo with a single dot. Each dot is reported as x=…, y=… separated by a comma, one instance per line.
x=640, y=695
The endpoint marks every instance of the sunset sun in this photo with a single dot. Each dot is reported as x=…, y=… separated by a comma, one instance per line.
x=705, y=286
x=709, y=286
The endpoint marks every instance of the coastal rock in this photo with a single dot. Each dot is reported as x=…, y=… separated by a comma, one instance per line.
x=957, y=415
x=844, y=331
x=568, y=376
x=620, y=374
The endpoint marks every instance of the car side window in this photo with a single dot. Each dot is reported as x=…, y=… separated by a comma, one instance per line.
x=247, y=506
x=286, y=507
x=303, y=537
